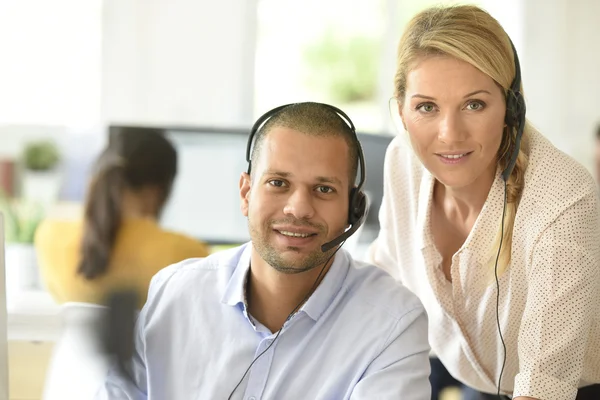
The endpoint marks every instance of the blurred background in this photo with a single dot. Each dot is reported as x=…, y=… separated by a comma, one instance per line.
x=72, y=71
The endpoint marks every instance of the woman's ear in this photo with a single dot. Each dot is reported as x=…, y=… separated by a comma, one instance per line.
x=401, y=113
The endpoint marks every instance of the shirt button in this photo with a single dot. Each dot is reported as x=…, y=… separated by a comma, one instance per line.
x=252, y=398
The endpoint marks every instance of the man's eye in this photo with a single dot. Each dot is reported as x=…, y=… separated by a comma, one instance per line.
x=325, y=189
x=277, y=183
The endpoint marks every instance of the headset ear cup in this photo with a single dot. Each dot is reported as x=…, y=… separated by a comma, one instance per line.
x=515, y=119
x=510, y=118
x=357, y=207
x=515, y=107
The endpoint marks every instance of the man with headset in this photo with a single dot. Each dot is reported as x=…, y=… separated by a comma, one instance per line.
x=289, y=315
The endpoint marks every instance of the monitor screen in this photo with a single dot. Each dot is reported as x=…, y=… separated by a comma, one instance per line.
x=374, y=148
x=205, y=201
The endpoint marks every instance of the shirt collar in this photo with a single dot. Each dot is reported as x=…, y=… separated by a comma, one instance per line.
x=481, y=237
x=317, y=303
x=234, y=291
x=330, y=286
x=490, y=215
x=425, y=238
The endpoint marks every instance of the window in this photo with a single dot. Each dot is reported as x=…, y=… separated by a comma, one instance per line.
x=51, y=62
x=336, y=51
x=323, y=51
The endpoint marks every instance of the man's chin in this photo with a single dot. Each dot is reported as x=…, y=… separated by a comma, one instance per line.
x=295, y=263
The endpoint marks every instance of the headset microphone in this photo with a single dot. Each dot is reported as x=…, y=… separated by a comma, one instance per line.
x=344, y=236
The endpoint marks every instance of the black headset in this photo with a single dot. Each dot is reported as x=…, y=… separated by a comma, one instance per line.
x=515, y=114
x=358, y=207
x=514, y=119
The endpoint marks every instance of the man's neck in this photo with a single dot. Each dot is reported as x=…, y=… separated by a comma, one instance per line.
x=273, y=295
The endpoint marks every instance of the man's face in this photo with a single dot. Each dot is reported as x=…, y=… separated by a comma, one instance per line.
x=598, y=161
x=297, y=198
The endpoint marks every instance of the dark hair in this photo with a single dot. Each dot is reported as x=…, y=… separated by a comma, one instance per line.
x=598, y=132
x=314, y=119
x=134, y=158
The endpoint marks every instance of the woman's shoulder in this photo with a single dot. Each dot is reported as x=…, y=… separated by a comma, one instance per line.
x=52, y=229
x=555, y=176
x=162, y=239
x=554, y=182
x=401, y=165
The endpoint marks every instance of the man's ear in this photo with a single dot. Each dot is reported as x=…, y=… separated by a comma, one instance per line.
x=244, y=192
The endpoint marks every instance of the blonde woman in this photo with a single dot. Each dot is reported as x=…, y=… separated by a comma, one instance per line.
x=490, y=225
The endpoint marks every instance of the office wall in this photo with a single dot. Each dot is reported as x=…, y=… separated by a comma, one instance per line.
x=178, y=61
x=192, y=62
x=561, y=72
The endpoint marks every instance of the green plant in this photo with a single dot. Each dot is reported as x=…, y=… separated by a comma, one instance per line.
x=40, y=155
x=21, y=219
x=345, y=68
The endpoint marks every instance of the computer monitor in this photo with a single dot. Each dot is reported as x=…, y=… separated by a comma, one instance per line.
x=374, y=147
x=205, y=201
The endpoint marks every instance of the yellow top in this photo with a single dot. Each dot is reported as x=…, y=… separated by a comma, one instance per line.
x=141, y=249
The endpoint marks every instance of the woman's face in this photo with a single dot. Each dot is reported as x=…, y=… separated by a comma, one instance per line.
x=454, y=115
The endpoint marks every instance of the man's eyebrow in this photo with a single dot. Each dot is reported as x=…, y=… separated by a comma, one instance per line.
x=277, y=173
x=329, y=179
x=320, y=179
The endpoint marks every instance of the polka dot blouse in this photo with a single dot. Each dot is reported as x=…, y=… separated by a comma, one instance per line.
x=549, y=307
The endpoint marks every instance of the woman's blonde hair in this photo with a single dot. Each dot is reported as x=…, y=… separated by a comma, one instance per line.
x=470, y=34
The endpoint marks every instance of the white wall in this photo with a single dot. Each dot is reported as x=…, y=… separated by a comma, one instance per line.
x=187, y=62
x=50, y=62
x=561, y=72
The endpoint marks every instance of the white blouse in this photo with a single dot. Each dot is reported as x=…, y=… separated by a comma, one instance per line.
x=549, y=296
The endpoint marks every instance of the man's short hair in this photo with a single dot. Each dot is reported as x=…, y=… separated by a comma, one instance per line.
x=314, y=119
x=598, y=132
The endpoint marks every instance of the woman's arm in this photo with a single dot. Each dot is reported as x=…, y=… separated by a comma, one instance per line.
x=562, y=300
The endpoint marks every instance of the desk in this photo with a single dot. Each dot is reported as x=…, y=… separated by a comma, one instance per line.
x=32, y=315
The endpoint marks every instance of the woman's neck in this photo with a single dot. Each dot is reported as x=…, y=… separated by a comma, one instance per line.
x=139, y=204
x=464, y=203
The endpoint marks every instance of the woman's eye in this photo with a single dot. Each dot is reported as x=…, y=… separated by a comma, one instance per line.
x=475, y=106
x=426, y=107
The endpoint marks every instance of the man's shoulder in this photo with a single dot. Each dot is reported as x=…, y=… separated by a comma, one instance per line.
x=378, y=290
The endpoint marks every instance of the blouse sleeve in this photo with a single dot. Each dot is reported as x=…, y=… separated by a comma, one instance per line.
x=561, y=302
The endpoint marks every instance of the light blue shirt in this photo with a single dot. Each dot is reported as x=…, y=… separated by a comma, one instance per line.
x=359, y=336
